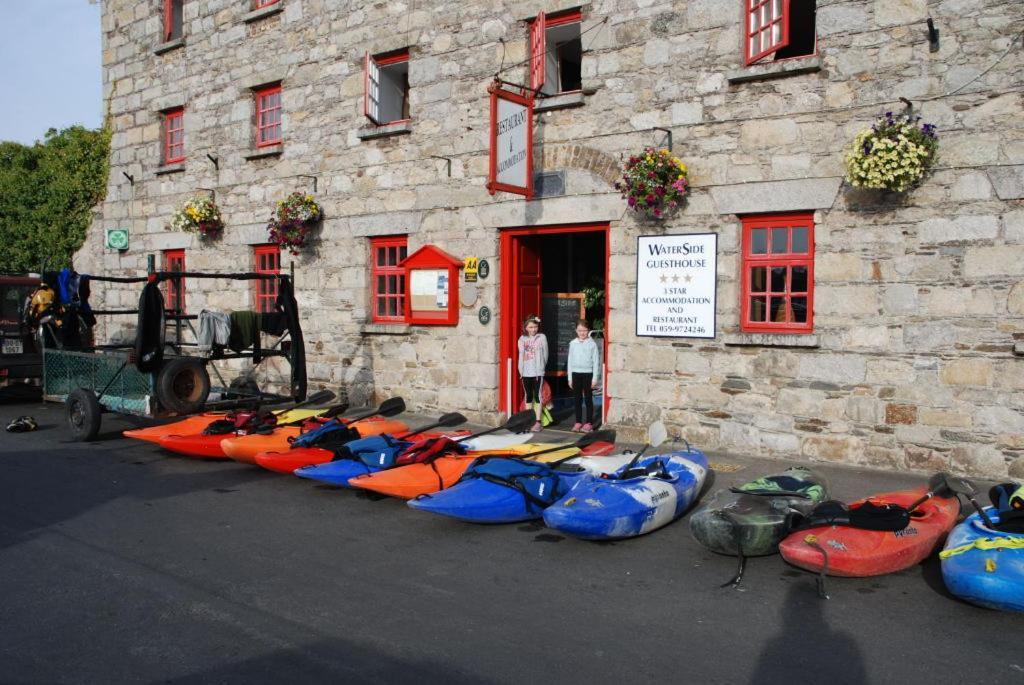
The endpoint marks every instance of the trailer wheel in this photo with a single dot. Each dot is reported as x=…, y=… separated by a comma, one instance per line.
x=183, y=385
x=83, y=414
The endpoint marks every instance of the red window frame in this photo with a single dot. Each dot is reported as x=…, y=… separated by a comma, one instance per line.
x=766, y=28
x=260, y=4
x=266, y=259
x=387, y=279
x=538, y=41
x=271, y=111
x=174, y=135
x=371, y=83
x=168, y=11
x=775, y=301
x=174, y=297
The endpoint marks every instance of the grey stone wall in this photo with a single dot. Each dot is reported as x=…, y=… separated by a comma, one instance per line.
x=918, y=299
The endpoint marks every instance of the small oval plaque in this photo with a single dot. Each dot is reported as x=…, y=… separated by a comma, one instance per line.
x=484, y=315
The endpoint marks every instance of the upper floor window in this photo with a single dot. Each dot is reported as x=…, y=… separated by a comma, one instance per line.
x=174, y=288
x=260, y=4
x=387, y=279
x=172, y=19
x=777, y=282
x=386, y=79
x=779, y=29
x=174, y=135
x=266, y=260
x=556, y=52
x=268, y=115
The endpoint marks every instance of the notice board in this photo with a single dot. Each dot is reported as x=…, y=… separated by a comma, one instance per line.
x=559, y=313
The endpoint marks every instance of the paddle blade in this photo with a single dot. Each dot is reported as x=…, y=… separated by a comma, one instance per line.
x=955, y=484
x=517, y=423
x=319, y=398
x=451, y=419
x=336, y=410
x=391, y=407
x=596, y=436
x=656, y=434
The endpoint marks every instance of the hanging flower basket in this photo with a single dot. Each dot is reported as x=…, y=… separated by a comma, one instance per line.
x=199, y=215
x=654, y=183
x=894, y=154
x=294, y=218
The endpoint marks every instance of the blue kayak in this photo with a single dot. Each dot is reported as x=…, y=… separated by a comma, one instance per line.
x=985, y=566
x=654, y=492
x=335, y=472
x=501, y=490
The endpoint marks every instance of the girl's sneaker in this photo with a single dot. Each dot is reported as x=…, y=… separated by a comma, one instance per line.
x=576, y=427
x=587, y=428
x=536, y=427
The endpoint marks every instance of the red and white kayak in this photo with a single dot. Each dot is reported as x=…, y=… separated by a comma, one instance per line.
x=855, y=552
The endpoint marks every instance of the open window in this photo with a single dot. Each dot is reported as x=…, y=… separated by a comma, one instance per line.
x=556, y=52
x=778, y=29
x=173, y=19
x=386, y=78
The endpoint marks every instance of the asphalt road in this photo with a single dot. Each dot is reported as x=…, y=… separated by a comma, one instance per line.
x=120, y=563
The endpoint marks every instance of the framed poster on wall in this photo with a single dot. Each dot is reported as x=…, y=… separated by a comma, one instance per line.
x=432, y=276
x=676, y=285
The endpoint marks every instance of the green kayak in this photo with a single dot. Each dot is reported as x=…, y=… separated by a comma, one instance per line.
x=752, y=519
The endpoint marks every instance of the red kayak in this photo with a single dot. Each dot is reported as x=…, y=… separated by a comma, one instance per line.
x=204, y=446
x=855, y=552
x=287, y=462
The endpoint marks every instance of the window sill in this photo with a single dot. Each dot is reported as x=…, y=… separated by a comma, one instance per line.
x=771, y=339
x=168, y=46
x=560, y=101
x=264, y=152
x=770, y=70
x=1018, y=349
x=385, y=130
x=262, y=13
x=385, y=329
x=165, y=169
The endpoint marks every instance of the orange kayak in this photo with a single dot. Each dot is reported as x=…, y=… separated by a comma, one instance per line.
x=244, y=448
x=297, y=457
x=189, y=426
x=414, y=480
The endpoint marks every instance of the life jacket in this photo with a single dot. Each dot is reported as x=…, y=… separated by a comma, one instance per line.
x=1008, y=499
x=538, y=483
x=377, y=451
x=426, y=451
x=330, y=435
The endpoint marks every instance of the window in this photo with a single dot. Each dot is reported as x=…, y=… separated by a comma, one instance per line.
x=778, y=273
x=266, y=260
x=556, y=53
x=172, y=19
x=174, y=136
x=781, y=28
x=386, y=85
x=387, y=279
x=260, y=4
x=268, y=116
x=174, y=288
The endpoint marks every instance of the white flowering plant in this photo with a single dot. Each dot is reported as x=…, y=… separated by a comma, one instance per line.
x=198, y=215
x=894, y=154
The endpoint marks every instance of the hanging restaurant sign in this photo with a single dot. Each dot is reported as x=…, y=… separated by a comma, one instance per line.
x=511, y=137
x=676, y=286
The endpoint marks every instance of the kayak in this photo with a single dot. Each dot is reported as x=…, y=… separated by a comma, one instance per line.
x=412, y=480
x=857, y=552
x=511, y=489
x=198, y=423
x=205, y=446
x=244, y=448
x=985, y=566
x=754, y=518
x=622, y=507
x=297, y=457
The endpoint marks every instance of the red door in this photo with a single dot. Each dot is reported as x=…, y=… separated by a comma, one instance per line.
x=526, y=263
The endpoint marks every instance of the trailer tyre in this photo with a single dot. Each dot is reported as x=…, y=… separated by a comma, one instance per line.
x=83, y=414
x=183, y=385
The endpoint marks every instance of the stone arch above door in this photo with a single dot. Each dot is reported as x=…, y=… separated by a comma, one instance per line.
x=600, y=164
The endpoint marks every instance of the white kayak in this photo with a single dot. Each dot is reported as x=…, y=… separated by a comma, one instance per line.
x=496, y=441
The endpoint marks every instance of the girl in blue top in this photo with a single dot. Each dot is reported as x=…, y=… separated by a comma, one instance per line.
x=583, y=369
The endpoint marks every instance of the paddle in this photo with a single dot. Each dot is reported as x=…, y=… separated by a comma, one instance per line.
x=517, y=423
x=445, y=420
x=334, y=411
x=585, y=441
x=962, y=486
x=656, y=434
x=389, y=407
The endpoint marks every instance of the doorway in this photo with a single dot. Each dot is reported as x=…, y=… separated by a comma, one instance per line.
x=559, y=273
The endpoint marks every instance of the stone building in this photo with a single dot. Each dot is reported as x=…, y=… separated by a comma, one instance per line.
x=906, y=358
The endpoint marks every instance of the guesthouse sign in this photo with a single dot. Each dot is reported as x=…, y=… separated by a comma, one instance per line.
x=676, y=288
x=511, y=142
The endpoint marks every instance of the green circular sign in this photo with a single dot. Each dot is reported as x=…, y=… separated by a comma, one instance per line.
x=117, y=239
x=484, y=315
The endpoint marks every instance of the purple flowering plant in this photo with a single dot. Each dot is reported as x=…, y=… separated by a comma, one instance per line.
x=294, y=218
x=654, y=182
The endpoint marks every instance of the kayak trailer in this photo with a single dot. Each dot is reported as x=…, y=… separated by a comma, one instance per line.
x=155, y=376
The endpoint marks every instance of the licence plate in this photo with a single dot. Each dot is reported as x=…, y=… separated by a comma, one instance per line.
x=12, y=347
